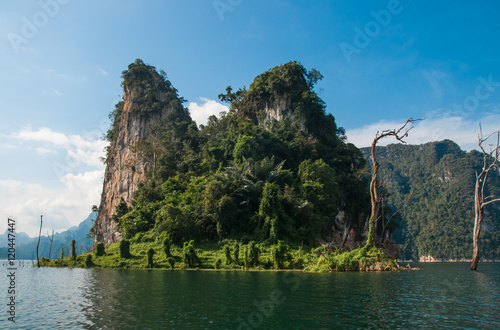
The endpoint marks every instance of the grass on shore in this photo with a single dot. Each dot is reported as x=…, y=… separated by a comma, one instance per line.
x=229, y=255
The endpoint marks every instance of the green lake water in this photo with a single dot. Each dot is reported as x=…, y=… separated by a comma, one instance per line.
x=441, y=295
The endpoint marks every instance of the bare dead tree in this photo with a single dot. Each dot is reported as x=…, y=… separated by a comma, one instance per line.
x=38, y=245
x=490, y=163
x=51, y=240
x=376, y=199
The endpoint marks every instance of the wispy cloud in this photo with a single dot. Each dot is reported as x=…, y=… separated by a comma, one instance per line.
x=43, y=151
x=65, y=201
x=436, y=79
x=62, y=207
x=55, y=91
x=459, y=129
x=102, y=71
x=80, y=149
x=201, y=112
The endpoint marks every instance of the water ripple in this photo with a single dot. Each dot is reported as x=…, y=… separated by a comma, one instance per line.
x=440, y=296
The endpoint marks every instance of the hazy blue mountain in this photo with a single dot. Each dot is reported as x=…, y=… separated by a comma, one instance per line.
x=21, y=238
x=26, y=246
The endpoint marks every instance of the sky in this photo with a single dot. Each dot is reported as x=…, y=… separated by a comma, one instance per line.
x=382, y=61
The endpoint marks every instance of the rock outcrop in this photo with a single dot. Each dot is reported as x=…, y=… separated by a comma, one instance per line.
x=148, y=101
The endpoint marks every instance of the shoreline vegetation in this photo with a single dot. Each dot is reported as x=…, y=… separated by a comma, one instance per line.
x=229, y=255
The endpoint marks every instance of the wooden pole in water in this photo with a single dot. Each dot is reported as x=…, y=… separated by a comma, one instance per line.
x=37, y=246
x=51, y=241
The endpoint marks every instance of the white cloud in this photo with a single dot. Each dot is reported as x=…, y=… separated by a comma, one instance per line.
x=55, y=91
x=79, y=149
x=459, y=129
x=61, y=207
x=65, y=201
x=43, y=151
x=9, y=146
x=201, y=112
x=436, y=79
x=102, y=71
x=43, y=135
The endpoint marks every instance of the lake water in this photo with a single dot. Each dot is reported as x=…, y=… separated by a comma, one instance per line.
x=441, y=295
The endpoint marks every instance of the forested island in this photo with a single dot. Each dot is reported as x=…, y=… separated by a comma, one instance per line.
x=433, y=187
x=272, y=184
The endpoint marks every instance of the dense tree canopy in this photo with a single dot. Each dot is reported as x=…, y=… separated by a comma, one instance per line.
x=245, y=175
x=433, y=186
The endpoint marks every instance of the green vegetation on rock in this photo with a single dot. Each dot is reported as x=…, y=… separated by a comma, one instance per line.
x=254, y=188
x=433, y=187
x=210, y=256
x=248, y=174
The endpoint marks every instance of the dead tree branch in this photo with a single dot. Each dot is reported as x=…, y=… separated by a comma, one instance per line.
x=399, y=134
x=51, y=240
x=490, y=163
x=38, y=245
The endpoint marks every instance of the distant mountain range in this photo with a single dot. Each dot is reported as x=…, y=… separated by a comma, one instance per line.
x=26, y=246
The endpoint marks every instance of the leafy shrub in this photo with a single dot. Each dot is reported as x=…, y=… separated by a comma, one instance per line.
x=171, y=262
x=125, y=249
x=189, y=255
x=61, y=256
x=88, y=261
x=73, y=250
x=236, y=254
x=99, y=249
x=279, y=254
x=166, y=247
x=227, y=253
x=218, y=263
x=151, y=253
x=253, y=253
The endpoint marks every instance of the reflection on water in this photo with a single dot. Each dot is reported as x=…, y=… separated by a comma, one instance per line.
x=440, y=296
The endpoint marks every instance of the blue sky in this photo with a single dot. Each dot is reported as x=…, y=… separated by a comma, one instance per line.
x=382, y=61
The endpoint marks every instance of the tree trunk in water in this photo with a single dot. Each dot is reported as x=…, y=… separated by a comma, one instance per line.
x=490, y=164
x=477, y=225
x=374, y=198
x=475, y=258
x=475, y=253
x=37, y=246
x=51, y=241
x=73, y=250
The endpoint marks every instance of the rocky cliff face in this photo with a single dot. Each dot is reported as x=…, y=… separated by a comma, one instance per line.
x=146, y=104
x=123, y=168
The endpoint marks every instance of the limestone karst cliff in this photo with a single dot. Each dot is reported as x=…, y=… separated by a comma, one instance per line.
x=148, y=101
x=275, y=167
x=283, y=92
